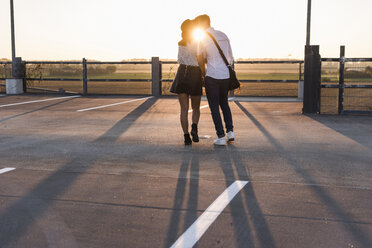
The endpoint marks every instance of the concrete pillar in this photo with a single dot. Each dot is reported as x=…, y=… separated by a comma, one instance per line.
x=312, y=80
x=300, y=94
x=156, y=76
x=14, y=86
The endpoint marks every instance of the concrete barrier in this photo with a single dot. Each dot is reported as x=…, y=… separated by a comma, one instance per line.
x=300, y=94
x=14, y=86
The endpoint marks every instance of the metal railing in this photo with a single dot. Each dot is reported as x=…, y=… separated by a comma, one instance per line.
x=343, y=79
x=299, y=62
x=156, y=73
x=6, y=72
x=253, y=86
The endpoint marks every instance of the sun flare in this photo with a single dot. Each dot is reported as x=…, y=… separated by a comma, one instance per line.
x=198, y=34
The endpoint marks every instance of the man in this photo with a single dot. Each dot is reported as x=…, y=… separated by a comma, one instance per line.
x=216, y=77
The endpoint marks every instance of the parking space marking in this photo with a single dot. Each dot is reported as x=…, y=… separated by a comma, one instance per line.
x=42, y=100
x=190, y=111
x=114, y=104
x=4, y=170
x=198, y=228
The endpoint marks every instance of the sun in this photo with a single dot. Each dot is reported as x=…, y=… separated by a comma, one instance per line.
x=198, y=34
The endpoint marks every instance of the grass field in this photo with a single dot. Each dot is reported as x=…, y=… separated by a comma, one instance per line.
x=143, y=71
x=2, y=88
x=354, y=98
x=247, y=89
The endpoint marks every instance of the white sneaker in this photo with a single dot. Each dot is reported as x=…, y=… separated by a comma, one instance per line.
x=230, y=136
x=220, y=141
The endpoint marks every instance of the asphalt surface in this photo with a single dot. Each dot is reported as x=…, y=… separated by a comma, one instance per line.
x=120, y=176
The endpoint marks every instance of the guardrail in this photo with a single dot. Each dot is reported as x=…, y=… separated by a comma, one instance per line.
x=156, y=72
x=341, y=85
x=299, y=62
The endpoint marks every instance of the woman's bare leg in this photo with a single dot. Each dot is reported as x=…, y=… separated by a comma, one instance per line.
x=195, y=104
x=184, y=104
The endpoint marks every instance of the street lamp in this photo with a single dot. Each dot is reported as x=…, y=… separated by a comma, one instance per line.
x=12, y=29
x=16, y=85
x=308, y=22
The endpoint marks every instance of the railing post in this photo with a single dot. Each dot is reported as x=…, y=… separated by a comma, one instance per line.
x=300, y=91
x=156, y=76
x=312, y=80
x=85, y=77
x=341, y=81
x=17, y=84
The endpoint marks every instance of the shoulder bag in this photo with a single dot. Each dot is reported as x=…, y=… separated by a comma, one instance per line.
x=234, y=82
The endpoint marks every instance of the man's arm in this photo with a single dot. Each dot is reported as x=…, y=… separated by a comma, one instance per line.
x=230, y=54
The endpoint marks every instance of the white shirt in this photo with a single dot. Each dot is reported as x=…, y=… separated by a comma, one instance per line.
x=187, y=54
x=216, y=67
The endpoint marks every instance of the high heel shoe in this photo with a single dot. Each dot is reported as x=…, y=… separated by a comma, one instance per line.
x=187, y=139
x=194, y=132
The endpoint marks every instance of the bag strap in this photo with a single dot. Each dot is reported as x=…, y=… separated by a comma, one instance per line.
x=219, y=49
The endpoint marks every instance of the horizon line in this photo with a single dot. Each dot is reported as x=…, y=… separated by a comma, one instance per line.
x=143, y=59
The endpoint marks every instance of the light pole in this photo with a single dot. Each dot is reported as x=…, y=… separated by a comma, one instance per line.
x=308, y=22
x=12, y=29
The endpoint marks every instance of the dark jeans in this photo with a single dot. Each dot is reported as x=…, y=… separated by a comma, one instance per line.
x=217, y=91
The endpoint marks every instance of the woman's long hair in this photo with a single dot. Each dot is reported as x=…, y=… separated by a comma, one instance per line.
x=187, y=28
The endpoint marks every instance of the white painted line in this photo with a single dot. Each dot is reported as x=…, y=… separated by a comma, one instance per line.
x=230, y=98
x=190, y=111
x=43, y=100
x=198, y=228
x=114, y=104
x=205, y=137
x=2, y=171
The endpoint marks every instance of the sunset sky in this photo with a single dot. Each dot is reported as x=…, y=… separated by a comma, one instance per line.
x=116, y=30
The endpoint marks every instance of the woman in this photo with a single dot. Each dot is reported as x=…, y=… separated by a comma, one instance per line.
x=188, y=81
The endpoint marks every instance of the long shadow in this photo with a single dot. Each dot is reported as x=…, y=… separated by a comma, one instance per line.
x=35, y=110
x=192, y=200
x=357, y=128
x=20, y=215
x=240, y=218
x=327, y=200
x=190, y=163
x=261, y=227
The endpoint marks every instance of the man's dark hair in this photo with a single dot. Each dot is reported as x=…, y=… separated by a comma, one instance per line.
x=203, y=18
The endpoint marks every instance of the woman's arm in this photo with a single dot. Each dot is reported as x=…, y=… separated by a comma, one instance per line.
x=201, y=63
x=179, y=57
x=200, y=57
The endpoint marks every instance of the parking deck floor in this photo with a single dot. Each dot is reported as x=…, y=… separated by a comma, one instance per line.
x=113, y=172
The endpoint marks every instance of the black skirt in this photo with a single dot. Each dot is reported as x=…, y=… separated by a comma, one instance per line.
x=188, y=80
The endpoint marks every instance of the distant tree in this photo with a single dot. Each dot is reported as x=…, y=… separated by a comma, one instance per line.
x=111, y=69
x=64, y=70
x=350, y=73
x=368, y=70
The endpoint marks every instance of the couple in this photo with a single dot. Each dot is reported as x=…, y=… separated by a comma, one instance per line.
x=201, y=63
